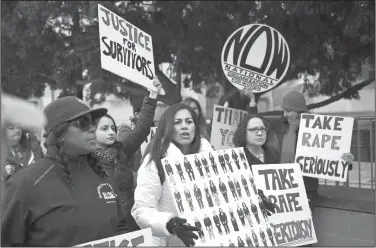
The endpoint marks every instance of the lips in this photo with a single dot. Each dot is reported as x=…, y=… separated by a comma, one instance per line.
x=111, y=138
x=185, y=135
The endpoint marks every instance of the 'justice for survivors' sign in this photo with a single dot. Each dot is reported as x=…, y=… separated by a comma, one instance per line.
x=322, y=140
x=255, y=58
x=283, y=184
x=126, y=50
x=137, y=238
x=225, y=122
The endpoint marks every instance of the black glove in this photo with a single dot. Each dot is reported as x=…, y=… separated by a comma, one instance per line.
x=267, y=203
x=182, y=230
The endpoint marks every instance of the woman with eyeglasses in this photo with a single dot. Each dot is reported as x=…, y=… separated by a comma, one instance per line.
x=115, y=154
x=66, y=198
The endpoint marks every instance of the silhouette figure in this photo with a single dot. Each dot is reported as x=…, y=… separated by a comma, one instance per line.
x=233, y=220
x=237, y=187
x=228, y=162
x=222, y=162
x=206, y=165
x=208, y=196
x=179, y=201
x=223, y=218
x=248, y=240
x=253, y=184
x=199, y=166
x=230, y=243
x=270, y=235
x=201, y=232
x=235, y=158
x=170, y=172
x=255, y=212
x=188, y=169
x=245, y=186
x=209, y=226
x=254, y=236
x=223, y=189
x=263, y=238
x=240, y=242
x=247, y=214
x=214, y=191
x=180, y=172
x=217, y=222
x=198, y=196
x=213, y=164
x=262, y=208
x=242, y=157
x=188, y=197
x=241, y=214
x=231, y=185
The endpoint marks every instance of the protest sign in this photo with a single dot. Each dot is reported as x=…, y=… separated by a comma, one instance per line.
x=225, y=122
x=215, y=192
x=255, y=57
x=322, y=140
x=126, y=50
x=283, y=184
x=148, y=139
x=138, y=238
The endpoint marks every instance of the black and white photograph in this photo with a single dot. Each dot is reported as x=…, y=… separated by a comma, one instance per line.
x=208, y=195
x=189, y=169
x=232, y=188
x=179, y=200
x=201, y=232
x=189, y=198
x=222, y=161
x=170, y=172
x=235, y=158
x=199, y=166
x=198, y=195
x=228, y=161
x=223, y=189
x=180, y=171
x=213, y=164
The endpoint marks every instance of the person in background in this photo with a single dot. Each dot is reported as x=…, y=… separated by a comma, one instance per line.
x=24, y=150
x=65, y=198
x=195, y=105
x=115, y=154
x=287, y=130
x=178, y=134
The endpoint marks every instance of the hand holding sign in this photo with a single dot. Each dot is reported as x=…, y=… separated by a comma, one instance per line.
x=159, y=89
x=184, y=231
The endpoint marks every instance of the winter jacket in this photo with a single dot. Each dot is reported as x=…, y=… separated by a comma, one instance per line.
x=120, y=168
x=154, y=203
x=41, y=209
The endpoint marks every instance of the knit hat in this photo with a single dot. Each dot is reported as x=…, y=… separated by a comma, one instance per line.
x=294, y=101
x=69, y=108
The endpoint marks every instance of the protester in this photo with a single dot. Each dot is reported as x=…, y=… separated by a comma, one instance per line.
x=178, y=134
x=114, y=155
x=195, y=105
x=24, y=149
x=287, y=130
x=64, y=199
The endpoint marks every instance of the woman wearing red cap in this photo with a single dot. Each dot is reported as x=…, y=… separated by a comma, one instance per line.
x=64, y=199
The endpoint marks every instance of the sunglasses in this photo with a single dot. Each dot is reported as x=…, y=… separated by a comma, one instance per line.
x=83, y=123
x=256, y=129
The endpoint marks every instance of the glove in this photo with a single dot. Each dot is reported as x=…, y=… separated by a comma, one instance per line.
x=267, y=203
x=182, y=230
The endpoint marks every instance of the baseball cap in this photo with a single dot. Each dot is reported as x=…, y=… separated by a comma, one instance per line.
x=68, y=108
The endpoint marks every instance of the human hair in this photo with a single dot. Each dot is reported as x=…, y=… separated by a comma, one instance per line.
x=163, y=137
x=201, y=117
x=108, y=116
x=54, y=144
x=240, y=135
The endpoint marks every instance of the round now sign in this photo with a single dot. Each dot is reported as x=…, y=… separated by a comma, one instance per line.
x=255, y=58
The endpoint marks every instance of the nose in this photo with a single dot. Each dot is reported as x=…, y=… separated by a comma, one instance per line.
x=259, y=132
x=184, y=125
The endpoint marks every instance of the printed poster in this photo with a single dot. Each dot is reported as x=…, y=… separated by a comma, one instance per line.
x=138, y=238
x=148, y=139
x=322, y=140
x=216, y=192
x=126, y=50
x=224, y=124
x=284, y=186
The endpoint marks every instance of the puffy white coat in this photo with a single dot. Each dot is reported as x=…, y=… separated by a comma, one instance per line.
x=154, y=203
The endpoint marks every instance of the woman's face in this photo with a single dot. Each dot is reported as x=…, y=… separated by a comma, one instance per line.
x=195, y=108
x=105, y=132
x=184, y=128
x=79, y=138
x=256, y=132
x=13, y=134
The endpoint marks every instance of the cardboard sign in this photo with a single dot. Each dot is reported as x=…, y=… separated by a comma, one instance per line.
x=138, y=238
x=148, y=139
x=215, y=192
x=224, y=124
x=255, y=57
x=126, y=50
x=322, y=140
x=283, y=184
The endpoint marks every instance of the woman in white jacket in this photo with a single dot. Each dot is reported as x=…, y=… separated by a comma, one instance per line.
x=178, y=134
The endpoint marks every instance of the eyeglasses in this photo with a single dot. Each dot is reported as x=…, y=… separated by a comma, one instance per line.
x=83, y=123
x=256, y=129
